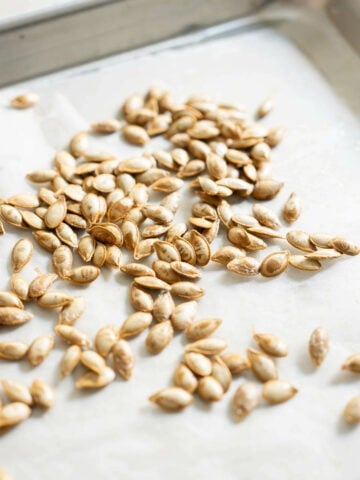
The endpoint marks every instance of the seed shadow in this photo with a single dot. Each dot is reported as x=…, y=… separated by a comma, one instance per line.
x=201, y=404
x=343, y=427
x=305, y=364
x=342, y=377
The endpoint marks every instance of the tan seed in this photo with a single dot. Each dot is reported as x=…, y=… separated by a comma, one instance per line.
x=106, y=126
x=144, y=248
x=274, y=264
x=42, y=394
x=86, y=248
x=172, y=399
x=105, y=339
x=245, y=400
x=271, y=344
x=93, y=361
x=201, y=247
x=41, y=284
x=265, y=107
x=322, y=240
x=186, y=270
x=300, y=240
x=352, y=363
x=203, y=328
x=54, y=299
x=245, y=266
x=324, y=254
x=24, y=200
x=301, y=262
x=187, y=290
x=198, y=363
x=14, y=316
x=159, y=336
x=17, y=392
x=72, y=311
x=265, y=216
x=167, y=184
x=135, y=165
x=278, y=391
x=40, y=349
x=47, y=240
x=238, y=236
x=186, y=250
x=42, y=176
x=9, y=299
x=166, y=251
x=55, y=213
x=266, y=189
x=318, y=345
x=62, y=261
x=93, y=380
x=14, y=413
x=209, y=389
x=352, y=410
x=72, y=335
x=221, y=373
x=140, y=300
x=152, y=283
x=79, y=144
x=67, y=235
x=135, y=134
x=21, y=254
x=123, y=359
x=227, y=253
x=244, y=220
x=12, y=216
x=292, y=208
x=164, y=307
x=235, y=362
x=10, y=350
x=184, y=378
x=344, y=246
x=135, y=324
x=25, y=100
x=184, y=313
x=207, y=346
x=19, y=286
x=84, y=275
x=137, y=270
x=262, y=365
x=70, y=360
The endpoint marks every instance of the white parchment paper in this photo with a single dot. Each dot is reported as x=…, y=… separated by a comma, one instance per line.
x=116, y=433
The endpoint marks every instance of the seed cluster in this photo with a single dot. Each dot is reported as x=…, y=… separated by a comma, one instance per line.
x=95, y=205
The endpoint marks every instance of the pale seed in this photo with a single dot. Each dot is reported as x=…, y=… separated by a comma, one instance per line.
x=301, y=262
x=42, y=176
x=86, y=248
x=135, y=134
x=164, y=307
x=292, y=208
x=235, y=362
x=137, y=270
x=10, y=350
x=41, y=284
x=12, y=216
x=17, y=392
x=186, y=270
x=238, y=236
x=55, y=213
x=321, y=240
x=106, y=126
x=105, y=339
x=209, y=389
x=265, y=216
x=274, y=136
x=271, y=344
x=92, y=380
x=159, y=336
x=221, y=373
x=274, y=264
x=199, y=329
x=140, y=300
x=318, y=345
x=172, y=399
x=24, y=200
x=9, y=299
x=32, y=220
x=42, y=394
x=73, y=311
x=135, y=165
x=207, y=346
x=144, y=248
x=123, y=358
x=79, y=144
x=14, y=413
x=187, y=290
x=62, y=261
x=344, y=246
x=324, y=254
x=72, y=335
x=70, y=360
x=99, y=255
x=278, y=391
x=300, y=240
x=183, y=314
x=47, y=240
x=40, y=349
x=201, y=247
x=167, y=184
x=54, y=299
x=135, y=324
x=265, y=108
x=198, y=363
x=152, y=283
x=262, y=365
x=25, y=100
x=266, y=189
x=186, y=250
x=14, y=316
x=184, y=378
x=93, y=361
x=83, y=275
x=113, y=256
x=244, y=220
x=352, y=363
x=245, y=266
x=227, y=253
x=352, y=410
x=245, y=400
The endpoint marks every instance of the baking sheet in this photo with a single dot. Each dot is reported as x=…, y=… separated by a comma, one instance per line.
x=116, y=432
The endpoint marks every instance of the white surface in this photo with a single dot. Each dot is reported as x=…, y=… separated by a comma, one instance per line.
x=116, y=433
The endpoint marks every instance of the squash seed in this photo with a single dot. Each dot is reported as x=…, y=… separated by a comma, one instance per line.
x=92, y=380
x=186, y=270
x=245, y=400
x=266, y=189
x=123, y=359
x=271, y=344
x=207, y=346
x=42, y=394
x=274, y=264
x=245, y=266
x=105, y=339
x=199, y=329
x=41, y=284
x=93, y=361
x=135, y=324
x=56, y=213
x=72, y=311
x=184, y=378
x=187, y=290
x=352, y=363
x=221, y=373
x=83, y=275
x=227, y=253
x=318, y=345
x=159, y=336
x=14, y=413
x=72, y=335
x=17, y=392
x=164, y=307
x=266, y=217
x=9, y=299
x=40, y=349
x=62, y=261
x=198, y=363
x=19, y=286
x=47, y=240
x=54, y=299
x=262, y=365
x=344, y=246
x=292, y=208
x=300, y=240
x=235, y=362
x=11, y=350
x=14, y=316
x=301, y=262
x=79, y=144
x=25, y=100
x=172, y=399
x=352, y=410
x=278, y=391
x=209, y=389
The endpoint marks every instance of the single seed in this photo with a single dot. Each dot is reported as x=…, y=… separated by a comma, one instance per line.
x=275, y=136
x=199, y=329
x=17, y=392
x=135, y=324
x=187, y=290
x=67, y=235
x=93, y=380
x=186, y=270
x=271, y=344
x=151, y=283
x=227, y=253
x=159, y=336
x=186, y=250
x=245, y=400
x=166, y=251
x=262, y=365
x=344, y=246
x=106, y=126
x=172, y=399
x=43, y=176
x=167, y=184
x=40, y=349
x=72, y=335
x=42, y=394
x=209, y=389
x=41, y=284
x=140, y=300
x=198, y=363
x=245, y=266
x=207, y=346
x=137, y=270
x=19, y=286
x=184, y=313
x=300, y=240
x=21, y=254
x=274, y=264
x=164, y=307
x=62, y=261
x=352, y=363
x=244, y=220
x=14, y=413
x=32, y=220
x=12, y=216
x=9, y=299
x=292, y=208
x=144, y=248
x=352, y=410
x=265, y=107
x=322, y=240
x=278, y=391
x=324, y=254
x=14, y=316
x=25, y=100
x=123, y=359
x=83, y=275
x=318, y=345
x=93, y=361
x=235, y=362
x=265, y=216
x=135, y=134
x=10, y=350
x=221, y=373
x=105, y=339
x=47, y=240
x=55, y=213
x=184, y=378
x=54, y=299
x=70, y=360
x=79, y=144
x=301, y=262
x=201, y=247
x=86, y=248
x=266, y=189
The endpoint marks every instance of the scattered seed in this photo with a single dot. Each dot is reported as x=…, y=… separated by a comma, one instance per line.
x=105, y=339
x=221, y=373
x=344, y=246
x=199, y=329
x=187, y=290
x=14, y=413
x=184, y=378
x=47, y=240
x=274, y=264
x=266, y=189
x=123, y=359
x=265, y=108
x=352, y=410
x=265, y=216
x=42, y=394
x=164, y=307
x=235, y=362
x=135, y=134
x=209, y=389
x=271, y=344
x=135, y=324
x=301, y=262
x=245, y=400
x=292, y=208
x=93, y=380
x=300, y=240
x=40, y=349
x=14, y=316
x=262, y=365
x=54, y=299
x=324, y=254
x=10, y=350
x=278, y=391
x=318, y=345
x=159, y=336
x=12, y=216
x=352, y=363
x=152, y=283
x=172, y=399
x=321, y=240
x=93, y=361
x=83, y=275
x=17, y=392
x=186, y=270
x=41, y=284
x=70, y=360
x=25, y=100
x=207, y=346
x=9, y=299
x=72, y=335
x=106, y=126
x=245, y=266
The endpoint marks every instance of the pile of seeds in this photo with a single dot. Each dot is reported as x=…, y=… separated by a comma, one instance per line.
x=95, y=205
